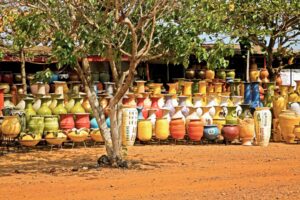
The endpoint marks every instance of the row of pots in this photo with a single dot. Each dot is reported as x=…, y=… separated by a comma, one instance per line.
x=209, y=74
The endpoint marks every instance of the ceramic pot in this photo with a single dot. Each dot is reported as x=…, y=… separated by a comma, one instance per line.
x=59, y=87
x=262, y=121
x=206, y=117
x=218, y=87
x=211, y=132
x=36, y=125
x=246, y=113
x=172, y=88
x=197, y=100
x=86, y=105
x=178, y=113
x=53, y=102
x=295, y=106
x=230, y=73
x=154, y=105
x=29, y=111
x=109, y=87
x=195, y=129
x=219, y=117
x=189, y=73
x=202, y=87
x=93, y=123
x=152, y=117
x=231, y=117
x=140, y=114
x=209, y=74
x=11, y=126
x=187, y=88
x=298, y=88
x=297, y=131
x=221, y=74
x=129, y=126
x=278, y=80
x=279, y=104
x=177, y=128
x=82, y=120
x=104, y=77
x=44, y=109
x=77, y=106
x=60, y=109
x=51, y=124
x=182, y=103
x=264, y=74
x=230, y=132
x=293, y=95
x=200, y=74
x=140, y=103
x=162, y=129
x=287, y=120
x=169, y=104
x=255, y=95
x=247, y=131
x=247, y=93
x=66, y=121
x=144, y=130
x=254, y=75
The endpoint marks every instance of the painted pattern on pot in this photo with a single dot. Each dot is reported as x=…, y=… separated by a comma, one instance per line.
x=262, y=121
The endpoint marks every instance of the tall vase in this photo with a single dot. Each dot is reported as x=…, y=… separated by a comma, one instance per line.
x=169, y=103
x=29, y=111
x=182, y=103
x=218, y=87
x=202, y=87
x=53, y=103
x=262, y=121
x=156, y=88
x=140, y=103
x=247, y=93
x=140, y=113
x=60, y=109
x=192, y=114
x=44, y=109
x=198, y=103
x=155, y=106
x=219, y=117
x=206, y=117
x=187, y=88
x=147, y=101
x=77, y=106
x=269, y=94
x=255, y=95
x=284, y=92
x=140, y=87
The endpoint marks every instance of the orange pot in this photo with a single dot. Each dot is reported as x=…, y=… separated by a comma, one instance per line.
x=177, y=128
x=209, y=74
x=195, y=129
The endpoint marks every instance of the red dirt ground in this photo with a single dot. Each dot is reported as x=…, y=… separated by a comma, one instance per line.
x=166, y=172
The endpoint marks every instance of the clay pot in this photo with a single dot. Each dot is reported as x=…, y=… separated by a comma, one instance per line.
x=11, y=126
x=66, y=121
x=177, y=128
x=7, y=77
x=36, y=125
x=230, y=73
x=195, y=129
x=82, y=120
x=211, y=132
x=5, y=87
x=279, y=104
x=189, y=73
x=230, y=132
x=264, y=74
x=247, y=131
x=278, y=80
x=297, y=131
x=262, y=122
x=254, y=75
x=162, y=129
x=74, y=76
x=200, y=74
x=51, y=124
x=18, y=78
x=221, y=74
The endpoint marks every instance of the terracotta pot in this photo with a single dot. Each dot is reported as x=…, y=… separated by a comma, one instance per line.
x=154, y=105
x=82, y=120
x=221, y=74
x=297, y=131
x=279, y=104
x=264, y=74
x=230, y=132
x=254, y=75
x=278, y=80
x=67, y=121
x=200, y=74
x=195, y=129
x=177, y=128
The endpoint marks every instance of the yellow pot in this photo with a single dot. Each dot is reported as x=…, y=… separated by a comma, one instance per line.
x=279, y=104
x=11, y=126
x=187, y=88
x=287, y=120
x=218, y=87
x=144, y=130
x=202, y=87
x=156, y=88
x=172, y=88
x=210, y=74
x=254, y=75
x=162, y=130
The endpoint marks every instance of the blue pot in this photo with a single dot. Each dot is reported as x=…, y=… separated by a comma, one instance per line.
x=211, y=132
x=247, y=93
x=108, y=122
x=94, y=123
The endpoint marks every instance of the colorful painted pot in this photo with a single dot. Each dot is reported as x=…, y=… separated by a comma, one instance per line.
x=144, y=130
x=195, y=129
x=36, y=124
x=51, y=124
x=211, y=132
x=162, y=129
x=177, y=128
x=82, y=120
x=230, y=132
x=94, y=123
x=67, y=121
x=262, y=121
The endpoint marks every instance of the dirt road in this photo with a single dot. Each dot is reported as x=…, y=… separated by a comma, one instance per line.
x=166, y=172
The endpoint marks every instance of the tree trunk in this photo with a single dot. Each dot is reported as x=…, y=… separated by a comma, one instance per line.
x=23, y=71
x=97, y=112
x=270, y=58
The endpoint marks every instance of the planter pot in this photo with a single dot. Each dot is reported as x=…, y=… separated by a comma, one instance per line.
x=51, y=124
x=189, y=73
x=56, y=138
x=211, y=132
x=11, y=126
x=144, y=130
x=177, y=128
x=288, y=120
x=230, y=73
x=209, y=74
x=247, y=131
x=36, y=125
x=230, y=132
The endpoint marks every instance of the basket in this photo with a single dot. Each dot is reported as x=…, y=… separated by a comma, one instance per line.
x=96, y=137
x=56, y=141
x=77, y=138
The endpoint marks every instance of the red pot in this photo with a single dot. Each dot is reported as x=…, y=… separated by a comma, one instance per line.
x=154, y=105
x=230, y=132
x=66, y=122
x=140, y=103
x=1, y=99
x=195, y=129
x=82, y=120
x=177, y=128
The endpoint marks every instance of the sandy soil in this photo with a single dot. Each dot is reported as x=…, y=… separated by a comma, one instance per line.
x=166, y=172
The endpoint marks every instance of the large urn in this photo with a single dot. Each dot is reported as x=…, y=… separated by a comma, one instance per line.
x=287, y=120
x=262, y=122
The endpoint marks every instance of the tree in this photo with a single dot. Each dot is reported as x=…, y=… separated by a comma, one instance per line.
x=139, y=30
x=268, y=24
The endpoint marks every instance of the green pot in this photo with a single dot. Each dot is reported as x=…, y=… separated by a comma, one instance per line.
x=246, y=113
x=231, y=117
x=77, y=107
x=221, y=74
x=44, y=109
x=230, y=73
x=60, y=109
x=36, y=124
x=29, y=111
x=51, y=124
